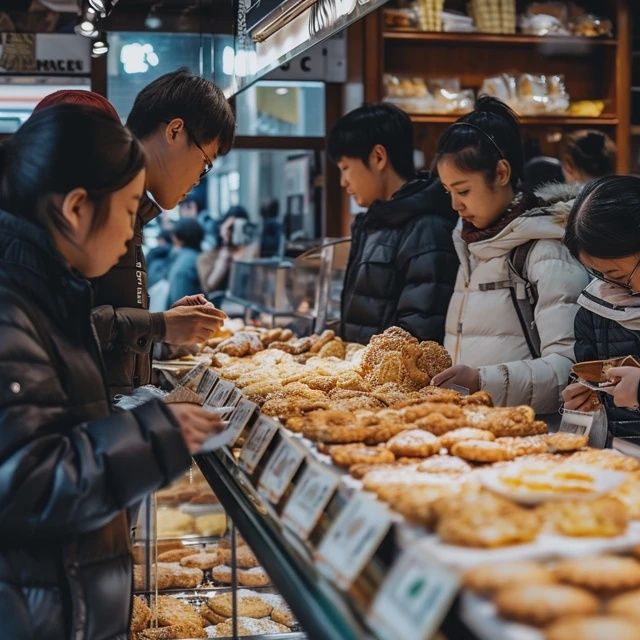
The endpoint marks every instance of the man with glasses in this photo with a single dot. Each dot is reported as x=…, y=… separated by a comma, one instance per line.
x=184, y=123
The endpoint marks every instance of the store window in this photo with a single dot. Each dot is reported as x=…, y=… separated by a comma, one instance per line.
x=272, y=108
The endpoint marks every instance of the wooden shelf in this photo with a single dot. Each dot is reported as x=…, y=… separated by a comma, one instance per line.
x=493, y=38
x=603, y=121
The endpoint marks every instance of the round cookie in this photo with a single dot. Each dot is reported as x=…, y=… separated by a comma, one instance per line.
x=488, y=578
x=249, y=604
x=175, y=555
x=201, y=560
x=211, y=617
x=592, y=628
x=414, y=443
x=562, y=442
x=524, y=445
x=626, y=605
x=600, y=573
x=350, y=454
x=256, y=577
x=444, y=464
x=482, y=451
x=465, y=433
x=245, y=558
x=540, y=605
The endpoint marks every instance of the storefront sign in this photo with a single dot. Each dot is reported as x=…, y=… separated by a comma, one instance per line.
x=414, y=598
x=309, y=499
x=256, y=444
x=45, y=53
x=282, y=466
x=352, y=539
x=220, y=394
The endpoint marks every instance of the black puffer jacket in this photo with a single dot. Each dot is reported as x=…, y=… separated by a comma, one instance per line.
x=402, y=265
x=69, y=468
x=599, y=338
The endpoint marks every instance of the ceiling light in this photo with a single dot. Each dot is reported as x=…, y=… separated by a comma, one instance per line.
x=86, y=28
x=282, y=91
x=103, y=7
x=99, y=46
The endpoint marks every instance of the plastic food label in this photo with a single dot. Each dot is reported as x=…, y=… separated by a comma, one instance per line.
x=207, y=382
x=352, y=539
x=414, y=598
x=576, y=422
x=257, y=442
x=309, y=499
x=239, y=419
x=220, y=394
x=280, y=469
x=235, y=397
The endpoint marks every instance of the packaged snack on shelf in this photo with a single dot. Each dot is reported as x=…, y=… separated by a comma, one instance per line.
x=430, y=14
x=401, y=18
x=590, y=26
x=453, y=21
x=410, y=94
x=587, y=108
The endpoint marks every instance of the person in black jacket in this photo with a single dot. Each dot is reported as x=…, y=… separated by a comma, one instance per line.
x=402, y=265
x=603, y=232
x=70, y=183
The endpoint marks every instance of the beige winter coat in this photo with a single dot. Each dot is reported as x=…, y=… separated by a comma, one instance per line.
x=482, y=327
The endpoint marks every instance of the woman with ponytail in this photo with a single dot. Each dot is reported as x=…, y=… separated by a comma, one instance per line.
x=509, y=326
x=587, y=154
x=71, y=179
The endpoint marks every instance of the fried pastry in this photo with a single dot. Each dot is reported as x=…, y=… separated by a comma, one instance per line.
x=603, y=517
x=525, y=445
x=444, y=464
x=477, y=398
x=245, y=558
x=563, y=442
x=325, y=338
x=629, y=494
x=249, y=603
x=175, y=555
x=414, y=443
x=626, y=605
x=251, y=627
x=466, y=433
x=173, y=632
x=482, y=451
x=211, y=617
x=171, y=611
x=489, y=578
x=140, y=615
x=592, y=628
x=604, y=573
x=606, y=459
x=202, y=561
x=541, y=604
x=334, y=349
x=349, y=454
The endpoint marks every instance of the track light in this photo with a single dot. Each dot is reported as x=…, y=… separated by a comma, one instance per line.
x=103, y=7
x=99, y=46
x=86, y=28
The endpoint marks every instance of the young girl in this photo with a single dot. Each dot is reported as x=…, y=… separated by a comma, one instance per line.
x=603, y=232
x=587, y=154
x=509, y=329
x=71, y=179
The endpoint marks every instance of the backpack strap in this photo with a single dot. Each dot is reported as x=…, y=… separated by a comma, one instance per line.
x=524, y=295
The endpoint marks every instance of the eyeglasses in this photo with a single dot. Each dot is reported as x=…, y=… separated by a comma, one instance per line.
x=208, y=162
x=626, y=285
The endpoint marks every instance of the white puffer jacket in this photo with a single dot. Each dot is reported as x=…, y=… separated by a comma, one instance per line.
x=482, y=327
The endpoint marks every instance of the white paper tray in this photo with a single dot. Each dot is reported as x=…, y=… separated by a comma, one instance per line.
x=481, y=617
x=546, y=546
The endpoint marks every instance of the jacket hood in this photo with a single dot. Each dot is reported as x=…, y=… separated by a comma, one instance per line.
x=611, y=302
x=424, y=195
x=543, y=222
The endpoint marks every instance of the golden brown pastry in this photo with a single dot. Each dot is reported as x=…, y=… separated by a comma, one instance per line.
x=606, y=459
x=140, y=616
x=592, y=628
x=414, y=443
x=210, y=617
x=466, y=433
x=563, y=442
x=245, y=558
x=251, y=627
x=603, y=517
x=249, y=603
x=605, y=573
x=349, y=454
x=175, y=555
x=482, y=451
x=492, y=577
x=204, y=561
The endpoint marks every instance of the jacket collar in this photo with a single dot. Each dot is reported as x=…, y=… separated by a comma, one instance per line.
x=611, y=302
x=424, y=195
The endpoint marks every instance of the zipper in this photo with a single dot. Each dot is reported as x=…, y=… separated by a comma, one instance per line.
x=459, y=323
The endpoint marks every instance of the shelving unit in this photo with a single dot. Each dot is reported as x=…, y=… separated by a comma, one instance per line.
x=592, y=68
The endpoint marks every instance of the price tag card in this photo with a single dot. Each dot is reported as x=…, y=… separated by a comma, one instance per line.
x=192, y=378
x=239, y=418
x=280, y=469
x=257, y=442
x=414, y=598
x=352, y=539
x=220, y=394
x=309, y=499
x=234, y=398
x=576, y=422
x=207, y=382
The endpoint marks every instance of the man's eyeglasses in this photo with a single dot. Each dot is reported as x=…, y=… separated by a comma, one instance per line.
x=208, y=162
x=626, y=285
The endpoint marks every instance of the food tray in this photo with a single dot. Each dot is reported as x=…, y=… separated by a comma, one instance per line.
x=546, y=546
x=481, y=617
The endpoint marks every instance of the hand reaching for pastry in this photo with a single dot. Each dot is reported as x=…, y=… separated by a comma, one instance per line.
x=192, y=301
x=461, y=375
x=192, y=321
x=578, y=398
x=196, y=424
x=625, y=393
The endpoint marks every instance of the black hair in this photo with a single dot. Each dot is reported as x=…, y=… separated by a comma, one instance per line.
x=605, y=219
x=541, y=170
x=480, y=139
x=59, y=149
x=236, y=211
x=206, y=113
x=165, y=235
x=357, y=133
x=592, y=152
x=189, y=232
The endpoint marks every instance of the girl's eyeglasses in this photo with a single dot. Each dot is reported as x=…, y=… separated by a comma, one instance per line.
x=624, y=285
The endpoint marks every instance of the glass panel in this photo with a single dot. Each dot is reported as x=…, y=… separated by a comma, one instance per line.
x=272, y=108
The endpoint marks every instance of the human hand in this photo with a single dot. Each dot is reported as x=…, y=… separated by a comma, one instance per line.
x=461, y=375
x=191, y=301
x=577, y=397
x=196, y=424
x=187, y=324
x=625, y=393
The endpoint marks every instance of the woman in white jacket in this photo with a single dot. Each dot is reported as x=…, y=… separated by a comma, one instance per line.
x=509, y=326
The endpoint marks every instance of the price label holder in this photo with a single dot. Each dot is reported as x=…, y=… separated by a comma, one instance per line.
x=577, y=422
x=414, y=598
x=234, y=398
x=352, y=539
x=256, y=444
x=220, y=394
x=239, y=419
x=192, y=378
x=207, y=382
x=279, y=472
x=309, y=499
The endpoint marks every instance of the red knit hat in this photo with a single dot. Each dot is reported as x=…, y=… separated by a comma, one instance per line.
x=75, y=96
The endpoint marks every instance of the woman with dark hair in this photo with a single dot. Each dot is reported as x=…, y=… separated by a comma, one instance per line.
x=509, y=326
x=603, y=232
x=71, y=180
x=587, y=154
